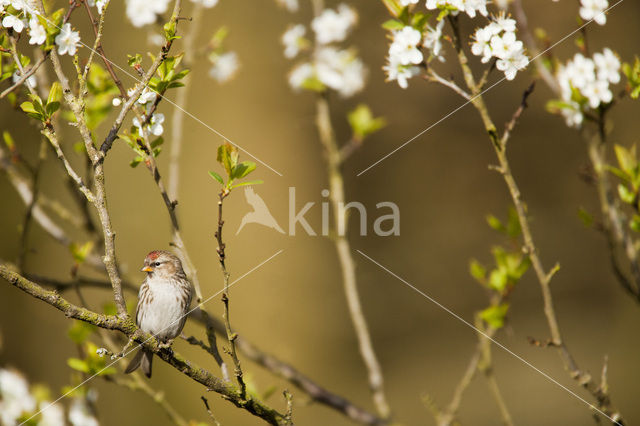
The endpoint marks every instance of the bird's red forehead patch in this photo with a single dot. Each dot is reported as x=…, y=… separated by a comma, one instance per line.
x=153, y=255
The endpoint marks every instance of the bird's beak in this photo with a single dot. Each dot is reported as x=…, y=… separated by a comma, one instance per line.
x=146, y=269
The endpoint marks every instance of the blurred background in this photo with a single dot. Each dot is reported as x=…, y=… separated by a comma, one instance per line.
x=294, y=307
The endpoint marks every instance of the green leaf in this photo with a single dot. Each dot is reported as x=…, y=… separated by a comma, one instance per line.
x=495, y=223
x=51, y=108
x=585, y=217
x=363, y=123
x=625, y=194
x=228, y=157
x=393, y=6
x=634, y=224
x=78, y=364
x=498, y=279
x=626, y=158
x=55, y=93
x=243, y=169
x=8, y=140
x=251, y=182
x=495, y=315
x=393, y=25
x=477, y=271
x=216, y=177
x=31, y=111
x=419, y=21
x=80, y=252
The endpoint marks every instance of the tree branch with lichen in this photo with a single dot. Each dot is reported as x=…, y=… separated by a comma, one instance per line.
x=126, y=326
x=544, y=277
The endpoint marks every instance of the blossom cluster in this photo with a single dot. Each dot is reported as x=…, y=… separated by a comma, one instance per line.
x=470, y=7
x=330, y=66
x=585, y=83
x=405, y=53
x=147, y=98
x=594, y=9
x=145, y=12
x=18, y=402
x=498, y=40
x=23, y=14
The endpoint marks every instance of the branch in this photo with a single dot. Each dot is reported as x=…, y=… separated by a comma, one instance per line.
x=434, y=77
x=343, y=248
x=177, y=121
x=97, y=47
x=529, y=247
x=231, y=336
x=142, y=84
x=23, y=77
x=127, y=327
x=617, y=233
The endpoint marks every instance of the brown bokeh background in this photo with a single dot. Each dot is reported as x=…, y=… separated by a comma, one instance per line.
x=294, y=307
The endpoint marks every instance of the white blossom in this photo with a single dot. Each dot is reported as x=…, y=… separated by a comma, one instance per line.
x=432, y=40
x=143, y=12
x=481, y=45
x=27, y=6
x=67, y=40
x=14, y=22
x=608, y=66
x=206, y=3
x=116, y=102
x=597, y=92
x=100, y=4
x=30, y=81
x=400, y=73
x=585, y=82
x=225, y=67
x=51, y=414
x=300, y=74
x=572, y=114
x=470, y=7
x=37, y=32
x=497, y=40
x=15, y=399
x=340, y=70
x=334, y=25
x=594, y=9
x=80, y=414
x=404, y=3
x=290, y=5
x=293, y=39
x=155, y=124
x=147, y=96
x=404, y=48
x=502, y=23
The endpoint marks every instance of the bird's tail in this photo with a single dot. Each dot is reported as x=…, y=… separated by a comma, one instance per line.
x=143, y=358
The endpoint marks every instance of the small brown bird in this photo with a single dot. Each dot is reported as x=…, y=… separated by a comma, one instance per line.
x=163, y=303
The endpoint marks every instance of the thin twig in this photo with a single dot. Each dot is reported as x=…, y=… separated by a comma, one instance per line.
x=231, y=336
x=177, y=121
x=206, y=405
x=336, y=191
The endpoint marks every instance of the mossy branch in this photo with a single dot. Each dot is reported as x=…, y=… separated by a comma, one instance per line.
x=125, y=325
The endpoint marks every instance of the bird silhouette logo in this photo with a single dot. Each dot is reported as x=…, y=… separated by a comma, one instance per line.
x=260, y=213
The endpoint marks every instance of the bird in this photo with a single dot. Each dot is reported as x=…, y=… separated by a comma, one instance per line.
x=163, y=304
x=260, y=213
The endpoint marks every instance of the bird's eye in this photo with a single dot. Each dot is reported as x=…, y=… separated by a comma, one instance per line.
x=157, y=263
